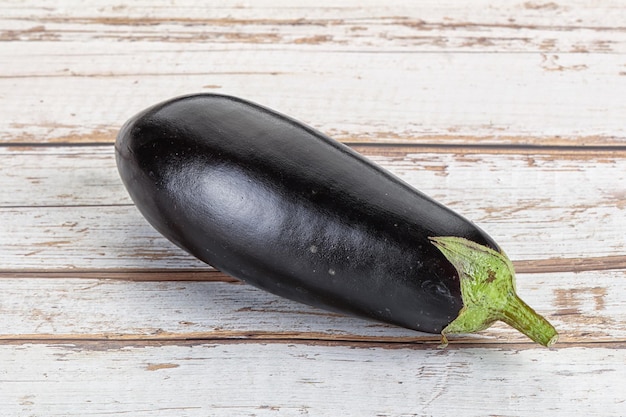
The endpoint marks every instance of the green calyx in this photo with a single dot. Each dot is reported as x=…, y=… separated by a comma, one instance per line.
x=488, y=292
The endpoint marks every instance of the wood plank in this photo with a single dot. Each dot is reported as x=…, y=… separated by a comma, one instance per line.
x=538, y=205
x=60, y=176
x=76, y=379
x=478, y=26
x=584, y=307
x=83, y=238
x=453, y=98
x=518, y=73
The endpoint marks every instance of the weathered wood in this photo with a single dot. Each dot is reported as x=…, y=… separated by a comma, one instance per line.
x=585, y=307
x=458, y=98
x=540, y=206
x=512, y=113
x=581, y=26
x=216, y=379
x=53, y=238
x=404, y=73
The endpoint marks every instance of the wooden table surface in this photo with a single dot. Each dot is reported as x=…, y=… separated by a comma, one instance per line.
x=511, y=113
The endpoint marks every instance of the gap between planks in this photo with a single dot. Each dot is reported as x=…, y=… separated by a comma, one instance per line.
x=536, y=266
x=390, y=143
x=430, y=342
x=156, y=275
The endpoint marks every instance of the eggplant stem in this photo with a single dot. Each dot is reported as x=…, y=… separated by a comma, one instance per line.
x=487, y=282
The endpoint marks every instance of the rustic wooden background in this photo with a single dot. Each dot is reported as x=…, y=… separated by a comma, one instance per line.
x=511, y=112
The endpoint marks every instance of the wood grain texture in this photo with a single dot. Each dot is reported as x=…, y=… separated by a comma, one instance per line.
x=450, y=98
x=585, y=307
x=511, y=113
x=299, y=380
x=579, y=26
x=541, y=206
x=436, y=73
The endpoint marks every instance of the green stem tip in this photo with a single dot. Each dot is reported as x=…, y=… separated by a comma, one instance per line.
x=488, y=292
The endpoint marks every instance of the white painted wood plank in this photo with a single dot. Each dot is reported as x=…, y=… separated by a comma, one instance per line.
x=578, y=26
x=584, y=307
x=53, y=238
x=292, y=380
x=60, y=176
x=67, y=208
x=58, y=238
x=401, y=72
x=442, y=98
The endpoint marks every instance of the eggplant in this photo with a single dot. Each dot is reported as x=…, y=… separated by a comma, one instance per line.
x=279, y=205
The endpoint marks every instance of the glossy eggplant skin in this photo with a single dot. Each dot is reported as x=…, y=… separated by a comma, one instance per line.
x=279, y=205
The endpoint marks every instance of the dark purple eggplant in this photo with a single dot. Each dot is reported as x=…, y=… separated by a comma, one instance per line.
x=279, y=205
